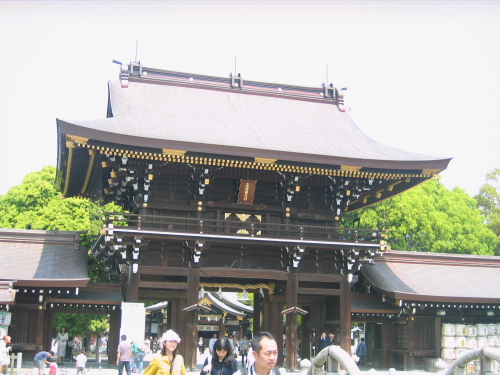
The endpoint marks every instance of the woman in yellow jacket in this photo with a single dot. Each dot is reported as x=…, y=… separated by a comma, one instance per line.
x=169, y=362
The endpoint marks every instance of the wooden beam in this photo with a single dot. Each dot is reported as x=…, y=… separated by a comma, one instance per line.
x=243, y=273
x=167, y=271
x=301, y=299
x=160, y=295
x=319, y=292
x=163, y=285
x=321, y=278
x=75, y=301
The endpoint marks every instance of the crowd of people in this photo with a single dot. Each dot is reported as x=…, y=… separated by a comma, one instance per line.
x=258, y=355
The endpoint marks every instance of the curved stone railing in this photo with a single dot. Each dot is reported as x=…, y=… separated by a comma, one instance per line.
x=489, y=355
x=334, y=357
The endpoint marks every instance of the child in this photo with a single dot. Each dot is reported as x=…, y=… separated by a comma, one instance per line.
x=80, y=362
x=53, y=369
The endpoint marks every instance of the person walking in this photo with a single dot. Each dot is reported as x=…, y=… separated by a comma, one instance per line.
x=211, y=344
x=124, y=355
x=201, y=345
x=61, y=339
x=244, y=347
x=361, y=352
x=81, y=360
x=169, y=362
x=222, y=361
x=139, y=351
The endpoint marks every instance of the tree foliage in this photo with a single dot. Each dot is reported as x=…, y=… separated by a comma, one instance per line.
x=81, y=324
x=36, y=204
x=488, y=201
x=430, y=218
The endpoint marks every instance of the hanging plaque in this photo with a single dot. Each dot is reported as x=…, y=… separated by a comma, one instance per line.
x=247, y=191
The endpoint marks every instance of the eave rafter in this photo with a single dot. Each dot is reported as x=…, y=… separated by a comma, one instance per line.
x=259, y=163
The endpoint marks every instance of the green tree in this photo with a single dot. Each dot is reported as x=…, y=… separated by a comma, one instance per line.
x=488, y=201
x=430, y=218
x=83, y=325
x=36, y=204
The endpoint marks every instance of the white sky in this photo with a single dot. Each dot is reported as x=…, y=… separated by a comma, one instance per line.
x=421, y=75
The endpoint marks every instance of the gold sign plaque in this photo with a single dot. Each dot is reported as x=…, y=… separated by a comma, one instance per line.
x=247, y=191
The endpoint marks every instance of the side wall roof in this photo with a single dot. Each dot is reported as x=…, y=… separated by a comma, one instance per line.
x=436, y=277
x=43, y=258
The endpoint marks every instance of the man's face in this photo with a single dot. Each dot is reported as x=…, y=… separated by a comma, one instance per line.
x=323, y=335
x=268, y=354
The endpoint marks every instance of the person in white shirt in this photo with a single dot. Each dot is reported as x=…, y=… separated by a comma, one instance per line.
x=81, y=359
x=4, y=353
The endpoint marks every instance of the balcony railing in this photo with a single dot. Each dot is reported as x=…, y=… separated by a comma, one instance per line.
x=124, y=222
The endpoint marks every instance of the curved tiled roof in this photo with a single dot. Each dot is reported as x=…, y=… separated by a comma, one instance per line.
x=436, y=277
x=42, y=258
x=232, y=122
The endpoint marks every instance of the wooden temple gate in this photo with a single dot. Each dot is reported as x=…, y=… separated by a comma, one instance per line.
x=174, y=270
x=232, y=180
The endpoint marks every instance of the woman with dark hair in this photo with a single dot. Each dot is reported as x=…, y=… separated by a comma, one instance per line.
x=222, y=362
x=169, y=362
x=61, y=339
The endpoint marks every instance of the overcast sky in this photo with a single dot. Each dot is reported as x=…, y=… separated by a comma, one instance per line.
x=421, y=75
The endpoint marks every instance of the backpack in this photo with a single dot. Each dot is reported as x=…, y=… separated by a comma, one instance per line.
x=135, y=348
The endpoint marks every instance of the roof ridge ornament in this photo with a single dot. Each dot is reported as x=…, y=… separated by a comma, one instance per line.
x=236, y=82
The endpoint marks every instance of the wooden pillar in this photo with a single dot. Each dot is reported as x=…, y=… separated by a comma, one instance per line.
x=292, y=285
x=345, y=316
x=132, y=294
x=173, y=315
x=257, y=308
x=181, y=328
x=47, y=340
x=40, y=314
x=266, y=315
x=437, y=336
x=387, y=325
x=191, y=342
x=222, y=329
x=410, y=365
x=276, y=328
x=319, y=323
x=305, y=339
x=115, y=319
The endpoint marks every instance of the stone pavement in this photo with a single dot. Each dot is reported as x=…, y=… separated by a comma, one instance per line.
x=95, y=368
